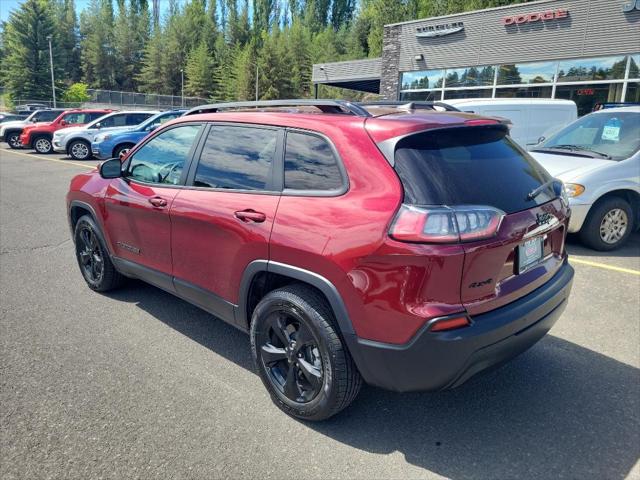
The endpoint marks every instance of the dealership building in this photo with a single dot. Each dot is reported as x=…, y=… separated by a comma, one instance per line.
x=584, y=50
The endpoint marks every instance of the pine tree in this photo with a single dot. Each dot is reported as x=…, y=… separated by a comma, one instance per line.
x=26, y=64
x=151, y=76
x=97, y=43
x=67, y=41
x=199, y=72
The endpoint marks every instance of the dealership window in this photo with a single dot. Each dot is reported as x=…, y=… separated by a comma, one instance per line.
x=422, y=80
x=468, y=93
x=469, y=77
x=585, y=81
x=423, y=96
x=588, y=69
x=517, y=74
x=587, y=95
x=524, y=92
x=633, y=92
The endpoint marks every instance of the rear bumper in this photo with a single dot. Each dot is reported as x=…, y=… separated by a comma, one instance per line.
x=579, y=214
x=436, y=361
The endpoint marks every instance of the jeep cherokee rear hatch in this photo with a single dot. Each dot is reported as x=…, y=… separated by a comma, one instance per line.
x=471, y=184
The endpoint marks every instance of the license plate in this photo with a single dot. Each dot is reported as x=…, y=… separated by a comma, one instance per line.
x=529, y=253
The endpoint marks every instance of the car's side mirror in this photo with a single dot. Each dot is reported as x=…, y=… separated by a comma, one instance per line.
x=151, y=128
x=111, y=169
x=541, y=139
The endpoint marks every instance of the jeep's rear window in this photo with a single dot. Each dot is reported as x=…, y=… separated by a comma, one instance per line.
x=469, y=166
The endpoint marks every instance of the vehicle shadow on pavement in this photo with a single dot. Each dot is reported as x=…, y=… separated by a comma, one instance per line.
x=630, y=250
x=557, y=410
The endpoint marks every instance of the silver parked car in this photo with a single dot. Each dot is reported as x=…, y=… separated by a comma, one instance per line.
x=598, y=159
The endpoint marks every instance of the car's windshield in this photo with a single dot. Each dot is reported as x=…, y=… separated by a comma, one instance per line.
x=610, y=135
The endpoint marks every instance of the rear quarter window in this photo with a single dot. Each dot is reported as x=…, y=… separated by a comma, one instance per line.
x=310, y=164
x=469, y=166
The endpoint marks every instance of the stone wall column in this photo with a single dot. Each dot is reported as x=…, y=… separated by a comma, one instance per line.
x=389, y=75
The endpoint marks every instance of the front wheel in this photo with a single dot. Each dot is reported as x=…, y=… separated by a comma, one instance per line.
x=93, y=258
x=608, y=225
x=80, y=150
x=299, y=355
x=13, y=139
x=122, y=150
x=42, y=145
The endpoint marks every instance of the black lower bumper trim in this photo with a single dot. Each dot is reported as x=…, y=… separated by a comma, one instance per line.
x=436, y=361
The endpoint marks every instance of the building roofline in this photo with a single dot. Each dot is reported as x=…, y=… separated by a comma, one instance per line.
x=359, y=60
x=453, y=15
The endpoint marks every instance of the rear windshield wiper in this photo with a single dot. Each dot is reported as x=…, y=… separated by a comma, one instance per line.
x=538, y=190
x=574, y=149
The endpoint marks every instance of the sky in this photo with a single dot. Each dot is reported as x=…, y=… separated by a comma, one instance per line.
x=6, y=6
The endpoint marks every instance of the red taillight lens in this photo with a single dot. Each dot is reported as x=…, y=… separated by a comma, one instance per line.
x=449, y=324
x=445, y=224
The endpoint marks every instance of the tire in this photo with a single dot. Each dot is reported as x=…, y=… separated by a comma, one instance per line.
x=79, y=150
x=314, y=378
x=13, y=139
x=120, y=148
x=608, y=224
x=93, y=258
x=42, y=144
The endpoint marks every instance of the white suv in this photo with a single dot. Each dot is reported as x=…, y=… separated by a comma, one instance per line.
x=76, y=141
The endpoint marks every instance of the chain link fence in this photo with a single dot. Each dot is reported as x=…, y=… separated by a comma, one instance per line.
x=126, y=100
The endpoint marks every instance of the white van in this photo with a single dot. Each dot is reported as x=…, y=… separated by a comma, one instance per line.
x=532, y=118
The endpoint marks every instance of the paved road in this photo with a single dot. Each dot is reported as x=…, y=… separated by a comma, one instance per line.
x=140, y=384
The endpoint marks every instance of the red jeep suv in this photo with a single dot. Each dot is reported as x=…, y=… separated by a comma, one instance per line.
x=408, y=246
x=39, y=136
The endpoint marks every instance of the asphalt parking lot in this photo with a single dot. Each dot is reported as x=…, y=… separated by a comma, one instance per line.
x=138, y=383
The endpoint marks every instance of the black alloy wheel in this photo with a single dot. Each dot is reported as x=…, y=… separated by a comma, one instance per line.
x=90, y=255
x=291, y=357
x=299, y=354
x=93, y=258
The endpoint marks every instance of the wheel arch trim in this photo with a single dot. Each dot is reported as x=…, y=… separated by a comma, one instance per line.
x=325, y=286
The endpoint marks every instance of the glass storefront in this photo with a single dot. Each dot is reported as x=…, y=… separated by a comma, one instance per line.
x=586, y=81
x=586, y=96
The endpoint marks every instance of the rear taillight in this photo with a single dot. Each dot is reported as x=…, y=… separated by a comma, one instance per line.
x=445, y=224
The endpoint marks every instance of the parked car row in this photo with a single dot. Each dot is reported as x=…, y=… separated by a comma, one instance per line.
x=73, y=131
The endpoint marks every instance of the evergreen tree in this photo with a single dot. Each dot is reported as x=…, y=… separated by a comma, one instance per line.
x=67, y=41
x=97, y=43
x=151, y=77
x=199, y=72
x=26, y=63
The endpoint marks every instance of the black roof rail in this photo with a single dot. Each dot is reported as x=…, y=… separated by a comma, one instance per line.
x=410, y=105
x=325, y=106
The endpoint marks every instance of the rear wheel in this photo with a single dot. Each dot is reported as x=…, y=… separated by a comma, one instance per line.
x=80, y=150
x=608, y=225
x=93, y=258
x=299, y=355
x=13, y=139
x=42, y=145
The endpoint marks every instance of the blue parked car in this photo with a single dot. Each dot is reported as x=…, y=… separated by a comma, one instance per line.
x=116, y=143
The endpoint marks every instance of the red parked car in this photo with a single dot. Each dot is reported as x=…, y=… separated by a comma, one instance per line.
x=39, y=136
x=399, y=245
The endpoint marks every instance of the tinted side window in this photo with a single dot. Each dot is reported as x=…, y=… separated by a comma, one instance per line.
x=309, y=164
x=47, y=116
x=117, y=120
x=136, y=118
x=96, y=115
x=237, y=158
x=76, y=118
x=161, y=160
